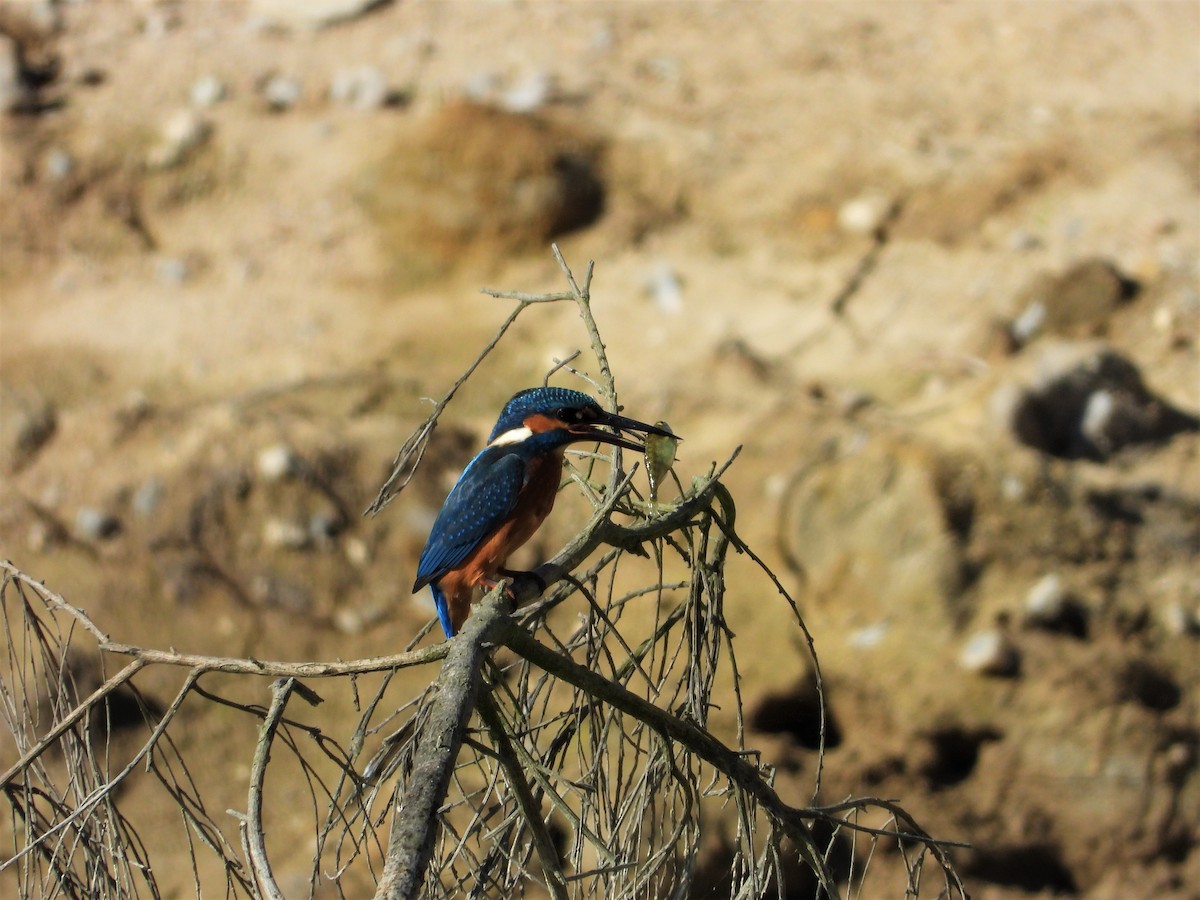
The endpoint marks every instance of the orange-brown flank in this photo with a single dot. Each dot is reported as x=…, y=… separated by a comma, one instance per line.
x=534, y=503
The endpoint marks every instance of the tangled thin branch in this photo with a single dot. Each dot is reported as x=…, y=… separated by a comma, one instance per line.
x=566, y=746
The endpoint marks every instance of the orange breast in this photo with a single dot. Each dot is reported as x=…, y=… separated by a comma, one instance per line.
x=534, y=503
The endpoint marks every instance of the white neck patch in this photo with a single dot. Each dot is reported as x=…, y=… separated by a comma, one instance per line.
x=512, y=436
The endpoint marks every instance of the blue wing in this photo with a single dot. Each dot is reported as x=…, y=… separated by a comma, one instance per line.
x=484, y=497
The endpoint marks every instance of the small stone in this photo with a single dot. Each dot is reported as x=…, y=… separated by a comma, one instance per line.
x=285, y=534
x=865, y=214
x=1049, y=605
x=93, y=524
x=148, y=496
x=182, y=133
x=1046, y=600
x=1180, y=621
x=357, y=552
x=991, y=653
x=871, y=636
x=173, y=270
x=277, y=462
x=529, y=95
x=360, y=87
x=281, y=93
x=1028, y=323
x=311, y=13
x=207, y=91
x=665, y=288
x=58, y=164
x=323, y=526
x=1013, y=488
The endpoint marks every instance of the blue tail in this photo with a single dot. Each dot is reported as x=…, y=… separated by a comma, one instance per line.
x=443, y=611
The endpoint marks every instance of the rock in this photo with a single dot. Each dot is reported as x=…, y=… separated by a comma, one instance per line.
x=1025, y=327
x=92, y=524
x=323, y=526
x=148, y=496
x=311, y=13
x=991, y=653
x=207, y=91
x=665, y=288
x=865, y=214
x=58, y=164
x=360, y=87
x=28, y=420
x=172, y=270
x=1076, y=303
x=277, y=462
x=530, y=94
x=1049, y=605
x=1046, y=599
x=1180, y=621
x=474, y=180
x=870, y=529
x=281, y=93
x=182, y=133
x=357, y=552
x=1087, y=405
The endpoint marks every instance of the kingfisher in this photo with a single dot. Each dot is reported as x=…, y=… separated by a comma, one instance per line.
x=505, y=493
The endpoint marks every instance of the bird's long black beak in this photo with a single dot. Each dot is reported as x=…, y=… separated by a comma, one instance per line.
x=623, y=431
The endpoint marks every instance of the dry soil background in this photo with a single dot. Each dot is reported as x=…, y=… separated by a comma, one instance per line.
x=935, y=265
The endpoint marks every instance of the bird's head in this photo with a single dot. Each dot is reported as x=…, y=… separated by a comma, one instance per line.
x=566, y=417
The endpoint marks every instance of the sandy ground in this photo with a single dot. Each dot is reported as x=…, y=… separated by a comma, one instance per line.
x=847, y=236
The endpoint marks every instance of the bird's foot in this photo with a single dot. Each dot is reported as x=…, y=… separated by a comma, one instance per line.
x=514, y=574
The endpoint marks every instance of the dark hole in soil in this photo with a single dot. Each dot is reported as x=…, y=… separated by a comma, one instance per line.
x=797, y=712
x=953, y=754
x=1148, y=685
x=1028, y=867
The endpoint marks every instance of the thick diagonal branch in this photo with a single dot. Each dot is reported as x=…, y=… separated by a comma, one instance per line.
x=415, y=823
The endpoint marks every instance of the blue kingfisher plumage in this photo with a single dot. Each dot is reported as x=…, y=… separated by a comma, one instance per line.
x=505, y=493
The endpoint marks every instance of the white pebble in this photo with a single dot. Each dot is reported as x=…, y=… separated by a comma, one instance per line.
x=282, y=93
x=277, y=462
x=665, y=288
x=359, y=87
x=1026, y=326
x=147, y=497
x=529, y=95
x=95, y=524
x=865, y=214
x=58, y=164
x=1046, y=602
x=208, y=91
x=1180, y=621
x=357, y=552
x=990, y=653
x=172, y=270
x=871, y=636
x=183, y=132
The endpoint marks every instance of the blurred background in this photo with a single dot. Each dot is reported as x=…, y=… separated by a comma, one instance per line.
x=936, y=266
